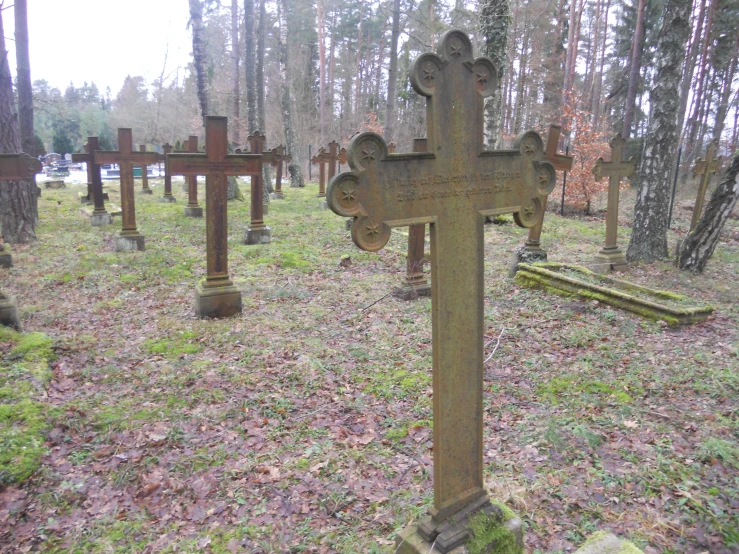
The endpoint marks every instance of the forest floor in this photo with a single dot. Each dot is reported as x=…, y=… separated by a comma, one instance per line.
x=304, y=424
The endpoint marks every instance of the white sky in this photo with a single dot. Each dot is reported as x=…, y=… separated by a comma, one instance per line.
x=102, y=41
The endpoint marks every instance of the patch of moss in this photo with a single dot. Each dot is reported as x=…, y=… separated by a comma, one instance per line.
x=489, y=529
x=291, y=260
x=559, y=387
x=173, y=347
x=33, y=347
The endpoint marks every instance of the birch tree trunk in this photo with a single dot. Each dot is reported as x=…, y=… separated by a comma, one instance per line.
x=634, y=70
x=18, y=199
x=294, y=167
x=25, y=90
x=649, y=231
x=495, y=18
x=697, y=248
x=392, y=75
x=198, y=54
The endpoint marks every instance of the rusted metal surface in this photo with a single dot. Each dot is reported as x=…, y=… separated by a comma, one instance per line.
x=391, y=148
x=167, y=149
x=256, y=146
x=279, y=159
x=144, y=173
x=452, y=187
x=19, y=167
x=191, y=145
x=560, y=163
x=705, y=168
x=93, y=174
x=321, y=159
x=610, y=257
x=126, y=158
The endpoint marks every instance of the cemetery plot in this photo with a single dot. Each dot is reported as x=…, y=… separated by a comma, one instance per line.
x=652, y=304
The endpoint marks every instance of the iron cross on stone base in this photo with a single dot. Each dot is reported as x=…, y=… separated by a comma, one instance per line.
x=99, y=216
x=452, y=187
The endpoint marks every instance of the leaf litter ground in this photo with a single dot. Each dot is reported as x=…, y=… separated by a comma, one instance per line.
x=304, y=425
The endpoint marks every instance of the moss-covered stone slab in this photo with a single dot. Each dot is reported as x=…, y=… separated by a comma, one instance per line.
x=571, y=280
x=607, y=543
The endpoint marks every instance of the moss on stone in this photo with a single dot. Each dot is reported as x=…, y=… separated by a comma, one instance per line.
x=488, y=529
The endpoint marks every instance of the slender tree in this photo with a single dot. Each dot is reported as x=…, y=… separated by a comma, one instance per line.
x=392, y=74
x=294, y=167
x=649, y=231
x=235, y=126
x=198, y=54
x=495, y=19
x=25, y=90
x=634, y=69
x=261, y=32
x=18, y=199
x=250, y=68
x=321, y=19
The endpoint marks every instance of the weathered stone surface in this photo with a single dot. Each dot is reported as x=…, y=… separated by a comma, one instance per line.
x=9, y=312
x=322, y=205
x=99, y=220
x=54, y=185
x=168, y=199
x=527, y=254
x=412, y=292
x=6, y=258
x=607, y=543
x=257, y=236
x=129, y=242
x=193, y=211
x=217, y=302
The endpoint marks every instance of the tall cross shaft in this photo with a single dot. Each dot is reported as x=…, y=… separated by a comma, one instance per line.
x=126, y=158
x=321, y=159
x=280, y=157
x=19, y=167
x=452, y=188
x=192, y=208
x=145, y=172
x=167, y=196
x=705, y=168
x=610, y=257
x=99, y=215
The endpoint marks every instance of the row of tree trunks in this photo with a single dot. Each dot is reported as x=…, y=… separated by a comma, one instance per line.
x=294, y=167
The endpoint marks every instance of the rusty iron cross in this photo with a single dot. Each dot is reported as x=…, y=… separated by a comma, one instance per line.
x=19, y=167
x=705, y=168
x=93, y=173
x=452, y=187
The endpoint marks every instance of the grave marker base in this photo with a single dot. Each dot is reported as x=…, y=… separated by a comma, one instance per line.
x=217, y=302
x=610, y=259
x=193, y=211
x=527, y=254
x=130, y=242
x=170, y=199
x=9, y=312
x=6, y=258
x=276, y=196
x=265, y=209
x=413, y=291
x=257, y=236
x=455, y=538
x=323, y=205
x=146, y=191
x=85, y=198
x=101, y=219
x=185, y=187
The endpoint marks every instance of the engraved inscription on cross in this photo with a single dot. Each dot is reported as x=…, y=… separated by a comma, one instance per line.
x=610, y=256
x=452, y=187
x=705, y=168
x=18, y=167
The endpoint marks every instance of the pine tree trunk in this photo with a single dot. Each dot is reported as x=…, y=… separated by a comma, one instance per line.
x=649, y=230
x=25, y=90
x=392, y=75
x=18, y=199
x=494, y=23
x=294, y=167
x=697, y=248
x=634, y=70
x=321, y=16
x=236, y=134
x=598, y=89
x=695, y=118
x=331, y=73
x=723, y=107
x=250, y=69
x=689, y=68
x=261, y=119
x=198, y=54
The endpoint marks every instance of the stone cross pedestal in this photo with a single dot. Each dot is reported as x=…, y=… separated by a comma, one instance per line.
x=193, y=209
x=705, y=168
x=129, y=237
x=416, y=284
x=167, y=196
x=610, y=257
x=452, y=187
x=532, y=250
x=257, y=232
x=99, y=215
x=145, y=174
x=15, y=167
x=280, y=158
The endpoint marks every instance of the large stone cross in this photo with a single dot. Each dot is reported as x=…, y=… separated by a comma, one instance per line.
x=610, y=257
x=705, y=168
x=216, y=296
x=99, y=215
x=452, y=187
x=19, y=167
x=126, y=158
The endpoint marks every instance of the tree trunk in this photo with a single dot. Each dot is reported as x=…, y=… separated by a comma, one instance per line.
x=723, y=107
x=25, y=90
x=261, y=119
x=495, y=18
x=331, y=73
x=321, y=16
x=695, y=118
x=392, y=75
x=250, y=69
x=689, y=68
x=634, y=70
x=598, y=89
x=235, y=126
x=649, y=230
x=198, y=54
x=697, y=248
x=18, y=199
x=294, y=167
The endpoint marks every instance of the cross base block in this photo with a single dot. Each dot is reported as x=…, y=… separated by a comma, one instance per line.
x=129, y=242
x=257, y=236
x=323, y=205
x=277, y=196
x=170, y=199
x=411, y=291
x=527, y=254
x=9, y=313
x=100, y=219
x=486, y=529
x=217, y=302
x=265, y=209
x=610, y=259
x=6, y=258
x=146, y=191
x=193, y=211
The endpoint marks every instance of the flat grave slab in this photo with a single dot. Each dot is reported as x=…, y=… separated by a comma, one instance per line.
x=571, y=280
